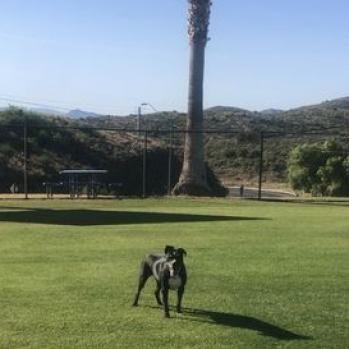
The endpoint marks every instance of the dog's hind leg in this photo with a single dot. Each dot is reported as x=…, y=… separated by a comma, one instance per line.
x=145, y=272
x=157, y=293
x=164, y=292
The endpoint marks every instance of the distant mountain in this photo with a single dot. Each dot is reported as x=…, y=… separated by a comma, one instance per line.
x=45, y=111
x=226, y=109
x=78, y=114
x=334, y=113
x=325, y=115
x=340, y=103
x=271, y=112
x=333, y=104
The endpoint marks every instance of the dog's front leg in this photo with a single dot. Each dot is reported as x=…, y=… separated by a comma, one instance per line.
x=180, y=293
x=164, y=292
x=157, y=293
x=164, y=276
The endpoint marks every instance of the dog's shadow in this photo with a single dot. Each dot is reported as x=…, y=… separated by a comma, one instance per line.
x=240, y=321
x=243, y=322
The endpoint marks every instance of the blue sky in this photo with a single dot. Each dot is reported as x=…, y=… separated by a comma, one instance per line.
x=109, y=56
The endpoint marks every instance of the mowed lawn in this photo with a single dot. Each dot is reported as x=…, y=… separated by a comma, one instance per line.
x=261, y=274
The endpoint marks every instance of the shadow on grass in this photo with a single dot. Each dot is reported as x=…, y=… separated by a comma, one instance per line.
x=243, y=322
x=313, y=202
x=99, y=217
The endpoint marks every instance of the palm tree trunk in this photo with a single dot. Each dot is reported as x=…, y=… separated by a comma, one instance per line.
x=193, y=178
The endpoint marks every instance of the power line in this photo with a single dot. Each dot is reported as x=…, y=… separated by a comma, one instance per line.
x=54, y=105
x=35, y=104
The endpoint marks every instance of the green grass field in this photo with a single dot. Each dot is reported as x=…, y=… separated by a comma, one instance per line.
x=261, y=274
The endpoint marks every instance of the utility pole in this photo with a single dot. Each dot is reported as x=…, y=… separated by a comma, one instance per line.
x=261, y=166
x=139, y=115
x=145, y=150
x=170, y=150
x=25, y=156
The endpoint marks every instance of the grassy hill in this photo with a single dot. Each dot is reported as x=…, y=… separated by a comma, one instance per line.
x=56, y=143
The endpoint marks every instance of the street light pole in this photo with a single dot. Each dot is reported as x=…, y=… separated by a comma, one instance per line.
x=145, y=150
x=145, y=146
x=139, y=117
x=139, y=121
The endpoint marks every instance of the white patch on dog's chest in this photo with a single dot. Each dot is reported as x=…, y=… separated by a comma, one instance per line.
x=175, y=282
x=156, y=267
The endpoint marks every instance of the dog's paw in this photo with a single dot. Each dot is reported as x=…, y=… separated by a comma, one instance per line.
x=167, y=316
x=135, y=304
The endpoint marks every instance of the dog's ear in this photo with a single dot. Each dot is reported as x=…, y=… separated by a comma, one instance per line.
x=182, y=251
x=168, y=249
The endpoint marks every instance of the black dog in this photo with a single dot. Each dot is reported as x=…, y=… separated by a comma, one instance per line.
x=169, y=272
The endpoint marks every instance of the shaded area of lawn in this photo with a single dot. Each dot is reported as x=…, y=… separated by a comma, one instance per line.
x=243, y=322
x=344, y=202
x=87, y=217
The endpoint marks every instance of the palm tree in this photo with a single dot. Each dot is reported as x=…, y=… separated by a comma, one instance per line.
x=193, y=178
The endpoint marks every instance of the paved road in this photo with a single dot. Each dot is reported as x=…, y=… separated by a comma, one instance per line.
x=266, y=193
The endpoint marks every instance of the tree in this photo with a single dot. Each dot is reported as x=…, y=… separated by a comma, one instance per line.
x=319, y=169
x=303, y=164
x=193, y=178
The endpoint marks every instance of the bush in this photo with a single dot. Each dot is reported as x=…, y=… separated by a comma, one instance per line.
x=319, y=169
